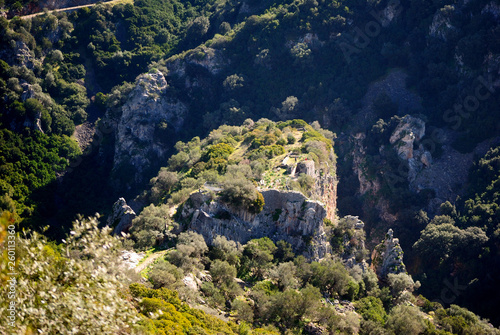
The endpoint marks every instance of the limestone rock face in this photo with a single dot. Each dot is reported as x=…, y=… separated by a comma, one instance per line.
x=306, y=167
x=358, y=165
x=147, y=108
x=441, y=25
x=407, y=134
x=24, y=55
x=208, y=58
x=325, y=189
x=388, y=256
x=287, y=215
x=409, y=130
x=121, y=216
x=19, y=54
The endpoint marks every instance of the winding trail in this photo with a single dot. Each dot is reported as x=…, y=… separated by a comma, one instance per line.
x=149, y=260
x=69, y=9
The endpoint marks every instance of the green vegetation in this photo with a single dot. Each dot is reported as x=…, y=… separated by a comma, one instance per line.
x=231, y=62
x=235, y=158
x=468, y=236
x=30, y=161
x=82, y=271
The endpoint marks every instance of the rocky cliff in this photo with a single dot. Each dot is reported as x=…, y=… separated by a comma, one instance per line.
x=388, y=256
x=325, y=185
x=287, y=215
x=147, y=119
x=405, y=137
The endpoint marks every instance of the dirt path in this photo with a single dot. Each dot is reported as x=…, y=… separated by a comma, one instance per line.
x=149, y=260
x=68, y=9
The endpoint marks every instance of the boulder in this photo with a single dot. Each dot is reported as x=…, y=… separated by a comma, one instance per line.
x=121, y=217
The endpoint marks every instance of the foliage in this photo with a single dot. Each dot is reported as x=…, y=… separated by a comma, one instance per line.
x=175, y=317
x=257, y=256
x=29, y=162
x=84, y=271
x=225, y=250
x=164, y=274
x=188, y=254
x=406, y=320
x=152, y=227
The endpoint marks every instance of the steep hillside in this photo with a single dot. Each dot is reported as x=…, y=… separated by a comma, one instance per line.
x=231, y=171
x=95, y=102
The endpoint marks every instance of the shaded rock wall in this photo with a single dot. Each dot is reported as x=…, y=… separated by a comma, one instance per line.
x=147, y=108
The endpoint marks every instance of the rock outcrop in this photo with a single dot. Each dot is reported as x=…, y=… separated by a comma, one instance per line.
x=131, y=259
x=287, y=215
x=121, y=217
x=366, y=184
x=147, y=109
x=441, y=25
x=388, y=256
x=405, y=137
x=409, y=130
x=208, y=58
x=353, y=242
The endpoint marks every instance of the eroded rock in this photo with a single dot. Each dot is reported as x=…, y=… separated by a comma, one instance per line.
x=388, y=256
x=147, y=108
x=287, y=215
x=121, y=217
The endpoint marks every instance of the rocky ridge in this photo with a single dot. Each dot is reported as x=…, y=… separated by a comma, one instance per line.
x=287, y=215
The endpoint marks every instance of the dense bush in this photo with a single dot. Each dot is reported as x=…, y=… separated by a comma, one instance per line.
x=152, y=227
x=83, y=271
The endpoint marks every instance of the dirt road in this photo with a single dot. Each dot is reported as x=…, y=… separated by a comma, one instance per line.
x=149, y=260
x=68, y=9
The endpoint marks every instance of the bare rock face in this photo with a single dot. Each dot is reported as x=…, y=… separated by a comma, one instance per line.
x=306, y=167
x=287, y=215
x=24, y=55
x=358, y=165
x=19, y=54
x=407, y=134
x=409, y=130
x=121, y=216
x=147, y=109
x=388, y=256
x=441, y=25
x=208, y=58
